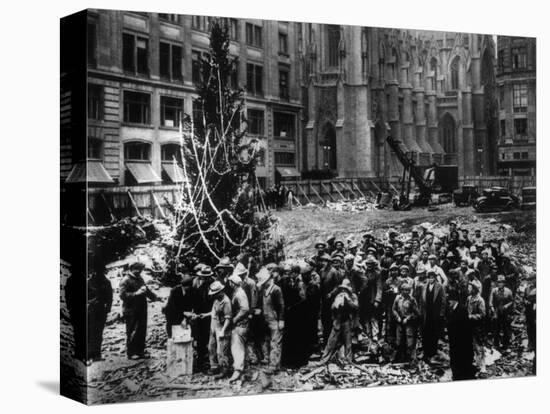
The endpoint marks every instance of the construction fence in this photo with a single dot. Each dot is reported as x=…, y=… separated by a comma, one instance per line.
x=107, y=204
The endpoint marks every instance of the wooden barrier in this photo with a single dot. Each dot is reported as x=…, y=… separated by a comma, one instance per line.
x=114, y=203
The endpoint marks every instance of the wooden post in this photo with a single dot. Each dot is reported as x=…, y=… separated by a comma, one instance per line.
x=134, y=203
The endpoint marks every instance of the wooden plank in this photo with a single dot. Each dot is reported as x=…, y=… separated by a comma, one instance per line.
x=304, y=193
x=375, y=186
x=133, y=203
x=317, y=194
x=333, y=185
x=179, y=358
x=328, y=191
x=353, y=183
x=113, y=218
x=159, y=207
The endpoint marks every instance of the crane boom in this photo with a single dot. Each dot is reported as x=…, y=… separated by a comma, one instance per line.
x=410, y=168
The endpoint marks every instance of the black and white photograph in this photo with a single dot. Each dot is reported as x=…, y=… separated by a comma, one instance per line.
x=256, y=206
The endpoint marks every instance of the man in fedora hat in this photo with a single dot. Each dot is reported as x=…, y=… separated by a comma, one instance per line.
x=134, y=294
x=220, y=331
x=316, y=258
x=370, y=299
x=273, y=314
x=240, y=322
x=343, y=309
x=202, y=307
x=501, y=303
x=223, y=270
x=432, y=311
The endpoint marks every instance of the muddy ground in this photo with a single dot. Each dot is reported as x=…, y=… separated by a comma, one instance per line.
x=116, y=379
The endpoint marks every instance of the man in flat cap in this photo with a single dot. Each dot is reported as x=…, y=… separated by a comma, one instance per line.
x=179, y=304
x=370, y=299
x=501, y=303
x=330, y=279
x=273, y=307
x=134, y=294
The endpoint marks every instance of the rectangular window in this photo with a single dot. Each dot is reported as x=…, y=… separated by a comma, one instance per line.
x=170, y=61
x=135, y=54
x=520, y=97
x=283, y=84
x=196, y=66
x=524, y=155
x=284, y=125
x=198, y=22
x=283, y=43
x=255, y=122
x=92, y=44
x=516, y=155
x=171, y=111
x=520, y=127
x=502, y=128
x=253, y=35
x=169, y=152
x=174, y=18
x=254, y=79
x=137, y=107
x=232, y=26
x=284, y=158
x=137, y=151
x=501, y=96
x=95, y=102
x=234, y=77
x=519, y=58
x=95, y=147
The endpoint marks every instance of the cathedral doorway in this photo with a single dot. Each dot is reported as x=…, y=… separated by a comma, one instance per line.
x=447, y=134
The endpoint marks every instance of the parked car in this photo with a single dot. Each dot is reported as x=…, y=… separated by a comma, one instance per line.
x=496, y=199
x=465, y=196
x=528, y=198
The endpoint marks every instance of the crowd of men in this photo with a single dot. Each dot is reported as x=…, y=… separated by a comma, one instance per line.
x=406, y=292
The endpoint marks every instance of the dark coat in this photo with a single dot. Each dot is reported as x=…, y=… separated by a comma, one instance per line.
x=179, y=301
x=461, y=350
x=100, y=299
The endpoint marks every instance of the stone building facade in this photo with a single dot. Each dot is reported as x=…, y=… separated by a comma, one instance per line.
x=140, y=73
x=318, y=97
x=434, y=92
x=516, y=83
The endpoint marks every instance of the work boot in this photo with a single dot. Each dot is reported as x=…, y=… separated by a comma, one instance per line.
x=236, y=375
x=221, y=375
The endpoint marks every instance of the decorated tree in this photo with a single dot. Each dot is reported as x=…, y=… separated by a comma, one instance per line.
x=215, y=214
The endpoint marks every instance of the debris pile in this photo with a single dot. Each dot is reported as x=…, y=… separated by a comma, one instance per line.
x=351, y=205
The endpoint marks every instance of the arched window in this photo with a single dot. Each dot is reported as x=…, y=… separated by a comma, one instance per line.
x=455, y=65
x=433, y=68
x=333, y=41
x=393, y=63
x=448, y=133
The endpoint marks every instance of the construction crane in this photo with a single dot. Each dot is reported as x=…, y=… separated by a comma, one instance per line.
x=410, y=172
